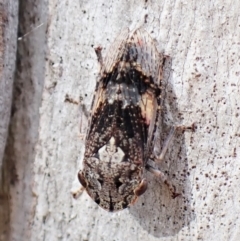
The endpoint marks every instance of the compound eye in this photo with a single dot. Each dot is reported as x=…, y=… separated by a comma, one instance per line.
x=141, y=188
x=81, y=179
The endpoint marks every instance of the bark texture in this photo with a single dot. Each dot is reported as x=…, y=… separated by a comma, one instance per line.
x=202, y=40
x=8, y=46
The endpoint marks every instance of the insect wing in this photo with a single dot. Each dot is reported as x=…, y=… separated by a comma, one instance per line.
x=148, y=57
x=149, y=61
x=115, y=51
x=123, y=119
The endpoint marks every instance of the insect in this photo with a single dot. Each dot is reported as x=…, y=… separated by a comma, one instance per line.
x=124, y=117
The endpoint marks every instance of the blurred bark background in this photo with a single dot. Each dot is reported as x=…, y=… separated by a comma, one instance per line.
x=8, y=48
x=46, y=53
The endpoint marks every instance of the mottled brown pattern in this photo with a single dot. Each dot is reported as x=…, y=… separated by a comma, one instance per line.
x=122, y=122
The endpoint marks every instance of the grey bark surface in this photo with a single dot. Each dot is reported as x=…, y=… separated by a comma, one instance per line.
x=8, y=46
x=201, y=83
x=8, y=43
x=17, y=171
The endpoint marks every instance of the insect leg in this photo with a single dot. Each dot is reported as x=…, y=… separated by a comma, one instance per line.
x=76, y=194
x=83, y=113
x=83, y=120
x=98, y=51
x=164, y=179
x=168, y=141
x=82, y=108
x=166, y=144
x=70, y=100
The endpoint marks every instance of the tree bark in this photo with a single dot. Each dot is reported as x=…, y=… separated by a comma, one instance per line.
x=201, y=79
x=8, y=46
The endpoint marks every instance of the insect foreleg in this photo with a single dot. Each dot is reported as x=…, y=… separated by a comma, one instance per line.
x=77, y=193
